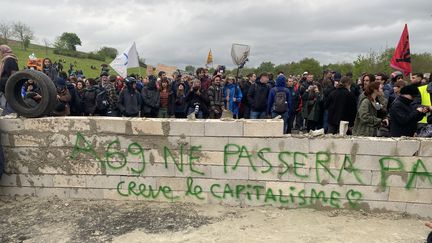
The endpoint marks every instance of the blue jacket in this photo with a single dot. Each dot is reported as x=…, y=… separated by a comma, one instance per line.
x=280, y=86
x=234, y=92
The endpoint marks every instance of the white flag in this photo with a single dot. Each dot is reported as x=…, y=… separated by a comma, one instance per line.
x=125, y=60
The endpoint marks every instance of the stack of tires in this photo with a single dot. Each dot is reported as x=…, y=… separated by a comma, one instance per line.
x=16, y=101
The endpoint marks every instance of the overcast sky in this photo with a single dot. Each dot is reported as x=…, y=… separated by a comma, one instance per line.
x=181, y=32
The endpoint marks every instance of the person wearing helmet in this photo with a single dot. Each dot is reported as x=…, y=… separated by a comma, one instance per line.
x=129, y=102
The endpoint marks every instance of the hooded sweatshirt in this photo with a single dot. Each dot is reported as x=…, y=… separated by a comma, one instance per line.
x=280, y=87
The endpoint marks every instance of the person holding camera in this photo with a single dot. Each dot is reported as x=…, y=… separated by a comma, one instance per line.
x=404, y=117
x=312, y=106
x=197, y=100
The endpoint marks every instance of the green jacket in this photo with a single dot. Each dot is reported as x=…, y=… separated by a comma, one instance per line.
x=366, y=122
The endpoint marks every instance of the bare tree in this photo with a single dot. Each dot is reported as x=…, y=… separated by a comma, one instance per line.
x=23, y=33
x=47, y=43
x=5, y=30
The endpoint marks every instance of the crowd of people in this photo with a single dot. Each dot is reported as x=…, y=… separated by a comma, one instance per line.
x=373, y=105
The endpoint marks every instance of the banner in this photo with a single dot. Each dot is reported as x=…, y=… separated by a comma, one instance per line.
x=401, y=59
x=209, y=57
x=125, y=60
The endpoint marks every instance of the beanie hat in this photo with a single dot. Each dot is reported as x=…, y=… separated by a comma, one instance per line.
x=410, y=90
x=60, y=83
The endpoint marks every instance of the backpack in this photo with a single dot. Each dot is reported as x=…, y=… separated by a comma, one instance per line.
x=280, y=104
x=102, y=103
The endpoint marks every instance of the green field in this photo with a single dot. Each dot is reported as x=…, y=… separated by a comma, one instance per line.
x=80, y=63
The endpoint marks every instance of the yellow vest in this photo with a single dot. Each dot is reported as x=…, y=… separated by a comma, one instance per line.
x=425, y=100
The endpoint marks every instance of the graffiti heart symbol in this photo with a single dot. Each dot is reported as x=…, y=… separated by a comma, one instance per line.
x=353, y=197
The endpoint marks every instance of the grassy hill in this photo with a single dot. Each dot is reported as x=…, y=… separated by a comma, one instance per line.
x=80, y=63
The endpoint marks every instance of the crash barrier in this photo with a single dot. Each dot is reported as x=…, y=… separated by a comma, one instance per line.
x=240, y=162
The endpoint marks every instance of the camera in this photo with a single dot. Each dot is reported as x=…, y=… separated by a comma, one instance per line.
x=197, y=106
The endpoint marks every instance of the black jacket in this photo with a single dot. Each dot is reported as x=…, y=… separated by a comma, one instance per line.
x=201, y=99
x=129, y=102
x=404, y=118
x=258, y=95
x=342, y=106
x=151, y=98
x=245, y=86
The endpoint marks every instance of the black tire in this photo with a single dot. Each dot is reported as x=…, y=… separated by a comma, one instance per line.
x=16, y=101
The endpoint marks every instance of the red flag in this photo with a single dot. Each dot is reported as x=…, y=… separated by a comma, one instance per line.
x=401, y=59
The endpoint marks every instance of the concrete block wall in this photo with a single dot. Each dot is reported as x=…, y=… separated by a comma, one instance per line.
x=242, y=162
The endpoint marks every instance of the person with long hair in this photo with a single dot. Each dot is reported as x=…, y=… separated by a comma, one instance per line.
x=165, y=93
x=367, y=121
x=49, y=69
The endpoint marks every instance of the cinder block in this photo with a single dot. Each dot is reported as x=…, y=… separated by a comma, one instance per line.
x=9, y=180
x=34, y=140
x=367, y=162
x=86, y=193
x=182, y=197
x=141, y=126
x=187, y=172
x=102, y=181
x=69, y=181
x=422, y=210
x=90, y=168
x=112, y=194
x=183, y=127
x=370, y=192
x=176, y=184
x=218, y=128
x=423, y=182
x=393, y=179
x=159, y=170
x=289, y=144
x=4, y=140
x=263, y=128
x=52, y=192
x=375, y=146
x=57, y=124
x=332, y=145
x=210, y=158
x=36, y=180
x=116, y=125
x=401, y=194
x=425, y=148
x=207, y=183
x=408, y=147
x=19, y=191
x=61, y=140
x=327, y=189
x=210, y=143
x=285, y=187
x=382, y=206
x=254, y=144
x=11, y=125
x=240, y=173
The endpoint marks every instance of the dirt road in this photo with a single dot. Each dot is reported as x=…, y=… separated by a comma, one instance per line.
x=27, y=219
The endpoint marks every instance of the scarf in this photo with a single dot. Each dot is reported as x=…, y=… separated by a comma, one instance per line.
x=5, y=53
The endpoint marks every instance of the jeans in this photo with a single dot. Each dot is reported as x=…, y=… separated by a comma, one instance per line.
x=325, y=121
x=285, y=119
x=258, y=115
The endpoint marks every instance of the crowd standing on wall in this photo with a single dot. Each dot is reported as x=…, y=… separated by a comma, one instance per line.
x=372, y=105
